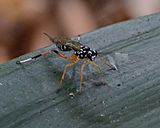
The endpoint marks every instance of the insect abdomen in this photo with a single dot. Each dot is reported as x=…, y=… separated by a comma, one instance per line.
x=86, y=52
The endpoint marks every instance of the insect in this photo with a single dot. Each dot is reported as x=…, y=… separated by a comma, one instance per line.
x=81, y=52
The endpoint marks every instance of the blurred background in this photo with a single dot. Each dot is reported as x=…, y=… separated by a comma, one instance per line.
x=23, y=21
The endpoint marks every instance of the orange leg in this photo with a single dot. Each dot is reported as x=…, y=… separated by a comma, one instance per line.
x=104, y=62
x=60, y=54
x=97, y=67
x=82, y=70
x=81, y=77
x=73, y=57
x=65, y=69
x=46, y=52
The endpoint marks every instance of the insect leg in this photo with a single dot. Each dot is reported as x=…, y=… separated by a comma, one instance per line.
x=34, y=57
x=81, y=77
x=65, y=69
x=104, y=62
x=73, y=57
x=60, y=54
x=97, y=67
x=107, y=63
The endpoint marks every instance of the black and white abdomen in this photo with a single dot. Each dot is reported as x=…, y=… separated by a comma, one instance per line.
x=92, y=54
x=86, y=52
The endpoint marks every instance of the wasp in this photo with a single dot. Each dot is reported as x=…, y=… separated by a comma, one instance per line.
x=81, y=52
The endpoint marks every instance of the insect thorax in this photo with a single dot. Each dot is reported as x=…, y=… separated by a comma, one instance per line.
x=86, y=52
x=68, y=45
